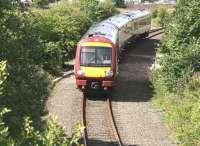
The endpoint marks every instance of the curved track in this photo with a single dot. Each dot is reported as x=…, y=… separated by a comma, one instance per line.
x=107, y=114
x=137, y=122
x=111, y=125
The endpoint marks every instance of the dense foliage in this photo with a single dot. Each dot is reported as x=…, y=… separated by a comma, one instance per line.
x=23, y=52
x=59, y=29
x=40, y=2
x=180, y=48
x=151, y=1
x=52, y=135
x=96, y=10
x=160, y=16
x=35, y=43
x=177, y=90
x=119, y=3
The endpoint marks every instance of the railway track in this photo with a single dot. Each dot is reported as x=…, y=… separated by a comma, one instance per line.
x=96, y=111
x=156, y=29
x=155, y=32
x=99, y=115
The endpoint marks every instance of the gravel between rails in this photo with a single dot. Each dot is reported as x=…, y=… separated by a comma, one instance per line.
x=97, y=124
x=138, y=123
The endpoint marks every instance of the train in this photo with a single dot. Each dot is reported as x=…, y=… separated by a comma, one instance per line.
x=98, y=52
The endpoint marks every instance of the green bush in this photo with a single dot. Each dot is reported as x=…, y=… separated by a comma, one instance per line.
x=5, y=140
x=177, y=92
x=182, y=111
x=118, y=3
x=52, y=135
x=180, y=48
x=3, y=75
x=160, y=16
x=40, y=2
x=96, y=10
x=27, y=81
x=4, y=134
x=59, y=29
x=35, y=43
x=155, y=13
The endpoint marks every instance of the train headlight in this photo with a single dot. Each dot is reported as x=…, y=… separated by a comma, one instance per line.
x=81, y=73
x=109, y=74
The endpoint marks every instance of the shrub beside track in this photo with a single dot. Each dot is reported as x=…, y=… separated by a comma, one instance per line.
x=176, y=88
x=35, y=43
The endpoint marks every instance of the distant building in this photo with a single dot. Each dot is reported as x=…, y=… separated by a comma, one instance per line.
x=166, y=1
x=137, y=1
x=26, y=2
x=102, y=0
x=125, y=1
x=132, y=1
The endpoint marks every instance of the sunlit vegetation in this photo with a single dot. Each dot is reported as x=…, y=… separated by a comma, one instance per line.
x=160, y=16
x=177, y=83
x=35, y=43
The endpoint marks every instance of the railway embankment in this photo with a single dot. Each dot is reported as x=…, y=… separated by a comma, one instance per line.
x=176, y=82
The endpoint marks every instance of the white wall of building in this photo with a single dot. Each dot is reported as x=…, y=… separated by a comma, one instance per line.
x=133, y=1
x=126, y=1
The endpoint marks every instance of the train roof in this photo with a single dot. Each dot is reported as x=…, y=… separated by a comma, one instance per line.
x=136, y=14
x=122, y=19
x=118, y=20
x=104, y=29
x=109, y=27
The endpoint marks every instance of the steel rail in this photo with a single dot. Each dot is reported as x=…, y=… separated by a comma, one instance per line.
x=156, y=29
x=112, y=122
x=110, y=119
x=155, y=32
x=83, y=120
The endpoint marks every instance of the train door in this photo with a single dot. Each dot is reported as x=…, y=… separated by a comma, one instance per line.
x=117, y=61
x=122, y=38
x=116, y=49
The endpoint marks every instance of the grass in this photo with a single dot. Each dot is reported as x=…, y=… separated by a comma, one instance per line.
x=71, y=62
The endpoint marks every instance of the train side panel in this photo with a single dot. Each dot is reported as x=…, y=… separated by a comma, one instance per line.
x=134, y=28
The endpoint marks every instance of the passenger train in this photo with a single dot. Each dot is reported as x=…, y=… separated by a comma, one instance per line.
x=98, y=52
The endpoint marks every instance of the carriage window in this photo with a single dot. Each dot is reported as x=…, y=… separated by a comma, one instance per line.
x=96, y=56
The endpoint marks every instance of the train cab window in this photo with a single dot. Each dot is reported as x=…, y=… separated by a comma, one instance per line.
x=96, y=56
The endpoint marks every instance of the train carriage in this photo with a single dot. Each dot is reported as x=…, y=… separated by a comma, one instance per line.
x=97, y=54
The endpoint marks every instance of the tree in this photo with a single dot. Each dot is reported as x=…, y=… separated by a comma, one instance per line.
x=151, y=1
x=180, y=48
x=118, y=3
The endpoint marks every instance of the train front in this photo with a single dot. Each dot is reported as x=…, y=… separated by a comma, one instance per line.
x=95, y=64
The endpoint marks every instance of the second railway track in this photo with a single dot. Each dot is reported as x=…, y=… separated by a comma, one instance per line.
x=100, y=127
